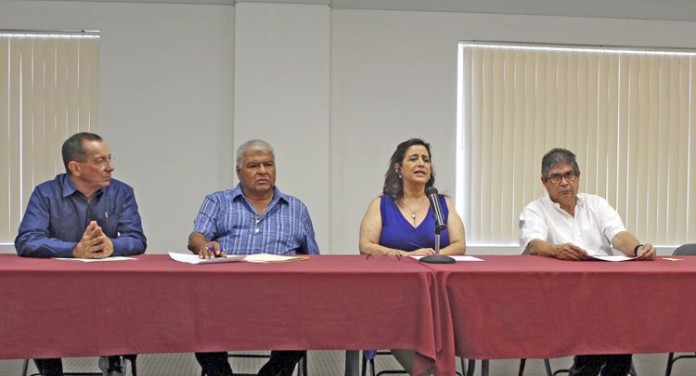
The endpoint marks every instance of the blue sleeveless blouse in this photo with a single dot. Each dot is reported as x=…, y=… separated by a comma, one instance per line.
x=399, y=233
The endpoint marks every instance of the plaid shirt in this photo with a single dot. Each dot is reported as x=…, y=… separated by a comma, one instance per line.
x=285, y=228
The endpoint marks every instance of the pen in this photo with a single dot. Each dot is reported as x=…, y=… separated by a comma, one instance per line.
x=212, y=249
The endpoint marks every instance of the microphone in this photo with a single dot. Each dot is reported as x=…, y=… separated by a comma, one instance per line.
x=437, y=210
x=440, y=225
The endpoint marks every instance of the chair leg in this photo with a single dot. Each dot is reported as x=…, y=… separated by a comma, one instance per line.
x=363, y=366
x=25, y=367
x=471, y=368
x=670, y=363
x=520, y=371
x=547, y=365
x=484, y=367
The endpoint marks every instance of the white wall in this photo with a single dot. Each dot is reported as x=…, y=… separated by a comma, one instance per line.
x=165, y=100
x=333, y=90
x=394, y=76
x=282, y=95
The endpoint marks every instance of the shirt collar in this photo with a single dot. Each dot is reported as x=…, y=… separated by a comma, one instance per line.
x=69, y=188
x=277, y=194
x=580, y=200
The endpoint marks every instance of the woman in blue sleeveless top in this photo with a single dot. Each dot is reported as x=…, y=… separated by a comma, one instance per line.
x=401, y=220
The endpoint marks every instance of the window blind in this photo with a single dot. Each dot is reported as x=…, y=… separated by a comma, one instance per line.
x=627, y=114
x=48, y=91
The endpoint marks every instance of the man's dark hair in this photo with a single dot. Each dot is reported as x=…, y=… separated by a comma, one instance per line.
x=73, y=149
x=558, y=157
x=393, y=185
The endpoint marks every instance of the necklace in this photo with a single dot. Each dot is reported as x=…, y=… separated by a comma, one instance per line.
x=413, y=212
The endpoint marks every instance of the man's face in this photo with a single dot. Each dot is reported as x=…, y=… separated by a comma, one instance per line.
x=95, y=171
x=562, y=184
x=257, y=173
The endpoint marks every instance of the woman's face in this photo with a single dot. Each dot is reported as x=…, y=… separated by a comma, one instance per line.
x=415, y=168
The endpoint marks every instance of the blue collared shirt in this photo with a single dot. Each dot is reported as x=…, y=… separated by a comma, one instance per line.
x=58, y=214
x=285, y=228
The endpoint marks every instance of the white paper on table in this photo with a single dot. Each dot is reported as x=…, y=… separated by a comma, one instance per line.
x=457, y=258
x=267, y=257
x=194, y=259
x=115, y=258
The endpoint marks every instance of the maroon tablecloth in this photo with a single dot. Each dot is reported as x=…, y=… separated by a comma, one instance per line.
x=538, y=307
x=153, y=304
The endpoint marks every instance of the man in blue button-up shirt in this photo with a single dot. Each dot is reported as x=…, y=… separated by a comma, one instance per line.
x=82, y=213
x=254, y=217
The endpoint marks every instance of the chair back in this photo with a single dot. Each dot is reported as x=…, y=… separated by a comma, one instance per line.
x=685, y=250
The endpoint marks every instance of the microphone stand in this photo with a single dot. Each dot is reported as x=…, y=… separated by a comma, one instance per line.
x=437, y=258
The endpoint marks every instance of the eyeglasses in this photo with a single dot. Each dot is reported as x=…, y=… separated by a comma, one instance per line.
x=99, y=162
x=568, y=176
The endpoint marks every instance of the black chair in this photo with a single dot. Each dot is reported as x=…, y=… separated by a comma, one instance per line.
x=126, y=359
x=371, y=363
x=683, y=250
x=472, y=367
x=632, y=372
x=301, y=365
x=547, y=366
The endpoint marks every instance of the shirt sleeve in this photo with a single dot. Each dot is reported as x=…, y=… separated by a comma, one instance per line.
x=310, y=246
x=131, y=238
x=532, y=226
x=608, y=219
x=207, y=217
x=33, y=238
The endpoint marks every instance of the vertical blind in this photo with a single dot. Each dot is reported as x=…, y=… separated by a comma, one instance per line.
x=628, y=115
x=48, y=91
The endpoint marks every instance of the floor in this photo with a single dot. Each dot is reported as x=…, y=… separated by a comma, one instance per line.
x=331, y=363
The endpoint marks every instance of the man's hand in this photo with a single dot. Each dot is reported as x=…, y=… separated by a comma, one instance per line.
x=210, y=250
x=94, y=243
x=646, y=252
x=569, y=251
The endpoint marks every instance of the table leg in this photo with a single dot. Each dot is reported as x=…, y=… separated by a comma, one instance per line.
x=352, y=362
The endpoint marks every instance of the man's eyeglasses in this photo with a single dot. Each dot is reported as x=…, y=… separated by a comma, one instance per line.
x=557, y=178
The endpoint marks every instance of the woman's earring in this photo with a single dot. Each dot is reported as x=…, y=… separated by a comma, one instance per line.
x=398, y=173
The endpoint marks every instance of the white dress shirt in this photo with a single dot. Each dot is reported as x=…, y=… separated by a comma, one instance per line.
x=594, y=226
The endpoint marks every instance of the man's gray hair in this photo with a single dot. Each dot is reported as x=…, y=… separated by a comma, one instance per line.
x=255, y=144
x=558, y=157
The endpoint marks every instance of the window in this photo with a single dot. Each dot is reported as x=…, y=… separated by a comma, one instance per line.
x=48, y=91
x=627, y=114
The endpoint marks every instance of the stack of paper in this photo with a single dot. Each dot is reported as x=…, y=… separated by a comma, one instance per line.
x=266, y=257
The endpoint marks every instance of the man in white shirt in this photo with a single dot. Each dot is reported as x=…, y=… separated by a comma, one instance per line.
x=569, y=225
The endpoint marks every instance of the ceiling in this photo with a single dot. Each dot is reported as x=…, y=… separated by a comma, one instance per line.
x=667, y=10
